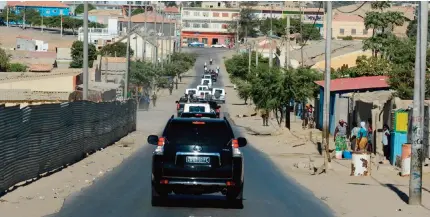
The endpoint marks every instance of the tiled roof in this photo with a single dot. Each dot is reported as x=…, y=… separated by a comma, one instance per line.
x=41, y=68
x=347, y=18
x=171, y=10
x=53, y=4
x=7, y=77
x=150, y=17
x=114, y=59
x=8, y=95
x=105, y=13
x=24, y=37
x=360, y=83
x=42, y=54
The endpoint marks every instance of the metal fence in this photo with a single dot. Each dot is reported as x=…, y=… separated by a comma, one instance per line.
x=38, y=139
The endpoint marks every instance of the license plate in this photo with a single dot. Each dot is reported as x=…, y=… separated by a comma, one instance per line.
x=198, y=160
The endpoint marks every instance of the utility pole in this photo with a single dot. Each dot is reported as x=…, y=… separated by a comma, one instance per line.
x=180, y=31
x=249, y=57
x=170, y=38
x=256, y=54
x=163, y=39
x=7, y=16
x=128, y=54
x=85, y=64
x=270, y=37
x=415, y=180
x=61, y=24
x=287, y=46
x=146, y=30
x=301, y=33
x=237, y=36
x=327, y=81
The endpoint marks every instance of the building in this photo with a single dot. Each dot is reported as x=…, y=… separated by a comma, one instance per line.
x=29, y=44
x=101, y=36
x=63, y=57
x=103, y=16
x=219, y=4
x=349, y=25
x=208, y=25
x=172, y=13
x=340, y=106
x=155, y=23
x=107, y=5
x=45, y=8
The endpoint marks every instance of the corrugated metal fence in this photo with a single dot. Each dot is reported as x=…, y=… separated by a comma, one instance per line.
x=41, y=138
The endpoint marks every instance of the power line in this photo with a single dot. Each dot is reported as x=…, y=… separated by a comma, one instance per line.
x=313, y=26
x=349, y=12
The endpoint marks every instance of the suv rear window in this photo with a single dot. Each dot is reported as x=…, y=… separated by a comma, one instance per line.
x=197, y=109
x=207, y=134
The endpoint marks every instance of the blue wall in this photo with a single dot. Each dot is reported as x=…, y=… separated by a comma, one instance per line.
x=332, y=111
x=45, y=11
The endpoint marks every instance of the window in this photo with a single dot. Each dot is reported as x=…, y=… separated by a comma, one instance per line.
x=138, y=2
x=61, y=11
x=214, y=14
x=341, y=31
x=224, y=14
x=216, y=25
x=186, y=13
x=205, y=25
x=187, y=24
x=365, y=32
x=47, y=11
x=353, y=31
x=205, y=14
x=224, y=26
x=235, y=14
x=204, y=40
x=196, y=25
x=196, y=14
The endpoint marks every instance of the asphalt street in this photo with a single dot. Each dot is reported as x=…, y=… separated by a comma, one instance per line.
x=126, y=191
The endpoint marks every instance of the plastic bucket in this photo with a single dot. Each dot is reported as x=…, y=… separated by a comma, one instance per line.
x=360, y=164
x=347, y=155
x=339, y=154
x=406, y=160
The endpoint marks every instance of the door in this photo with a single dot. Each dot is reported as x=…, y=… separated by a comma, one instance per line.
x=198, y=149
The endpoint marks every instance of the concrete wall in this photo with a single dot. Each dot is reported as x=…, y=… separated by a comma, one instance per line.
x=348, y=28
x=65, y=83
x=25, y=44
x=137, y=45
x=347, y=59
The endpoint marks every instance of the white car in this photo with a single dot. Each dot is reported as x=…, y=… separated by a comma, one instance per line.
x=218, y=46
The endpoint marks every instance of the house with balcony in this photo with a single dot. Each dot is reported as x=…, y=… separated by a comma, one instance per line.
x=45, y=8
x=208, y=25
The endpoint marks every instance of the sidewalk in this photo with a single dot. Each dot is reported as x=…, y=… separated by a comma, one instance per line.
x=383, y=194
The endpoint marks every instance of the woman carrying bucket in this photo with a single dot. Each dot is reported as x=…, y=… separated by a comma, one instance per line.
x=362, y=137
x=340, y=136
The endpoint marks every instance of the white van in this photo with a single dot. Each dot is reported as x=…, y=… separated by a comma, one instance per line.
x=191, y=90
x=207, y=77
x=207, y=82
x=197, y=107
x=202, y=87
x=203, y=94
x=221, y=98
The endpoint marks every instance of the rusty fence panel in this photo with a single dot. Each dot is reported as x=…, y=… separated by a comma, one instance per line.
x=41, y=138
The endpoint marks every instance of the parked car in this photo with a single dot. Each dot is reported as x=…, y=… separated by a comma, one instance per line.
x=196, y=44
x=219, y=46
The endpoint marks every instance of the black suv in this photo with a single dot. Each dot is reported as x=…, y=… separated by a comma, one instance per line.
x=197, y=156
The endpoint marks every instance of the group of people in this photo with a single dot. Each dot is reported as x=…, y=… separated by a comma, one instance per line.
x=360, y=137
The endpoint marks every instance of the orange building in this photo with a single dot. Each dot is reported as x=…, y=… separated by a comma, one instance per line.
x=208, y=25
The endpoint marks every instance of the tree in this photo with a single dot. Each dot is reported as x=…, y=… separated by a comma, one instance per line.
x=382, y=23
x=195, y=4
x=4, y=60
x=247, y=23
x=16, y=67
x=170, y=4
x=310, y=32
x=411, y=31
x=137, y=11
x=78, y=54
x=12, y=16
x=118, y=49
x=80, y=8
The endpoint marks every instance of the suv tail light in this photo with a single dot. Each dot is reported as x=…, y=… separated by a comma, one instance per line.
x=177, y=106
x=236, y=151
x=160, y=148
x=217, y=110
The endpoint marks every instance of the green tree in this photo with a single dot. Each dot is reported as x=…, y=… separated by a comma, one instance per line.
x=382, y=23
x=80, y=8
x=170, y=4
x=118, y=49
x=12, y=16
x=195, y=4
x=411, y=31
x=248, y=21
x=137, y=11
x=78, y=54
x=16, y=67
x=4, y=60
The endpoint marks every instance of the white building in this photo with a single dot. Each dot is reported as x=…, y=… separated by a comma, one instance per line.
x=101, y=34
x=208, y=25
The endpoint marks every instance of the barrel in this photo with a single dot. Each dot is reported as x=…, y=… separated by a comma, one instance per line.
x=360, y=164
x=406, y=159
x=339, y=154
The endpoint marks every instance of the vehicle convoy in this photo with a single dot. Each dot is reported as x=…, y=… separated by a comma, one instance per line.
x=197, y=156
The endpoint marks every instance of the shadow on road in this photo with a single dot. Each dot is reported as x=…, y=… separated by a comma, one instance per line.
x=201, y=201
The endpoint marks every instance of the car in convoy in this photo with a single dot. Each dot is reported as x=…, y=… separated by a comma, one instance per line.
x=196, y=156
x=218, y=95
x=218, y=46
x=196, y=44
x=202, y=87
x=207, y=82
x=199, y=115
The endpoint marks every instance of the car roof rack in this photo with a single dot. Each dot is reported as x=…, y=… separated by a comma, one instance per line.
x=198, y=115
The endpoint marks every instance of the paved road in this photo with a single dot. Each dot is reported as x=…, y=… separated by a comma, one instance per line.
x=125, y=192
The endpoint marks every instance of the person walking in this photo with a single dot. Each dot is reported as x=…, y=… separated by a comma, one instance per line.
x=154, y=99
x=370, y=135
x=354, y=134
x=385, y=141
x=340, y=136
x=362, y=137
x=265, y=117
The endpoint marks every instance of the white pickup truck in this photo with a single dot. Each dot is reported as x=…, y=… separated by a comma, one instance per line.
x=218, y=95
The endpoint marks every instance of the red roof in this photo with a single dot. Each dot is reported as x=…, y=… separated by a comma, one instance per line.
x=53, y=4
x=360, y=83
x=171, y=9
